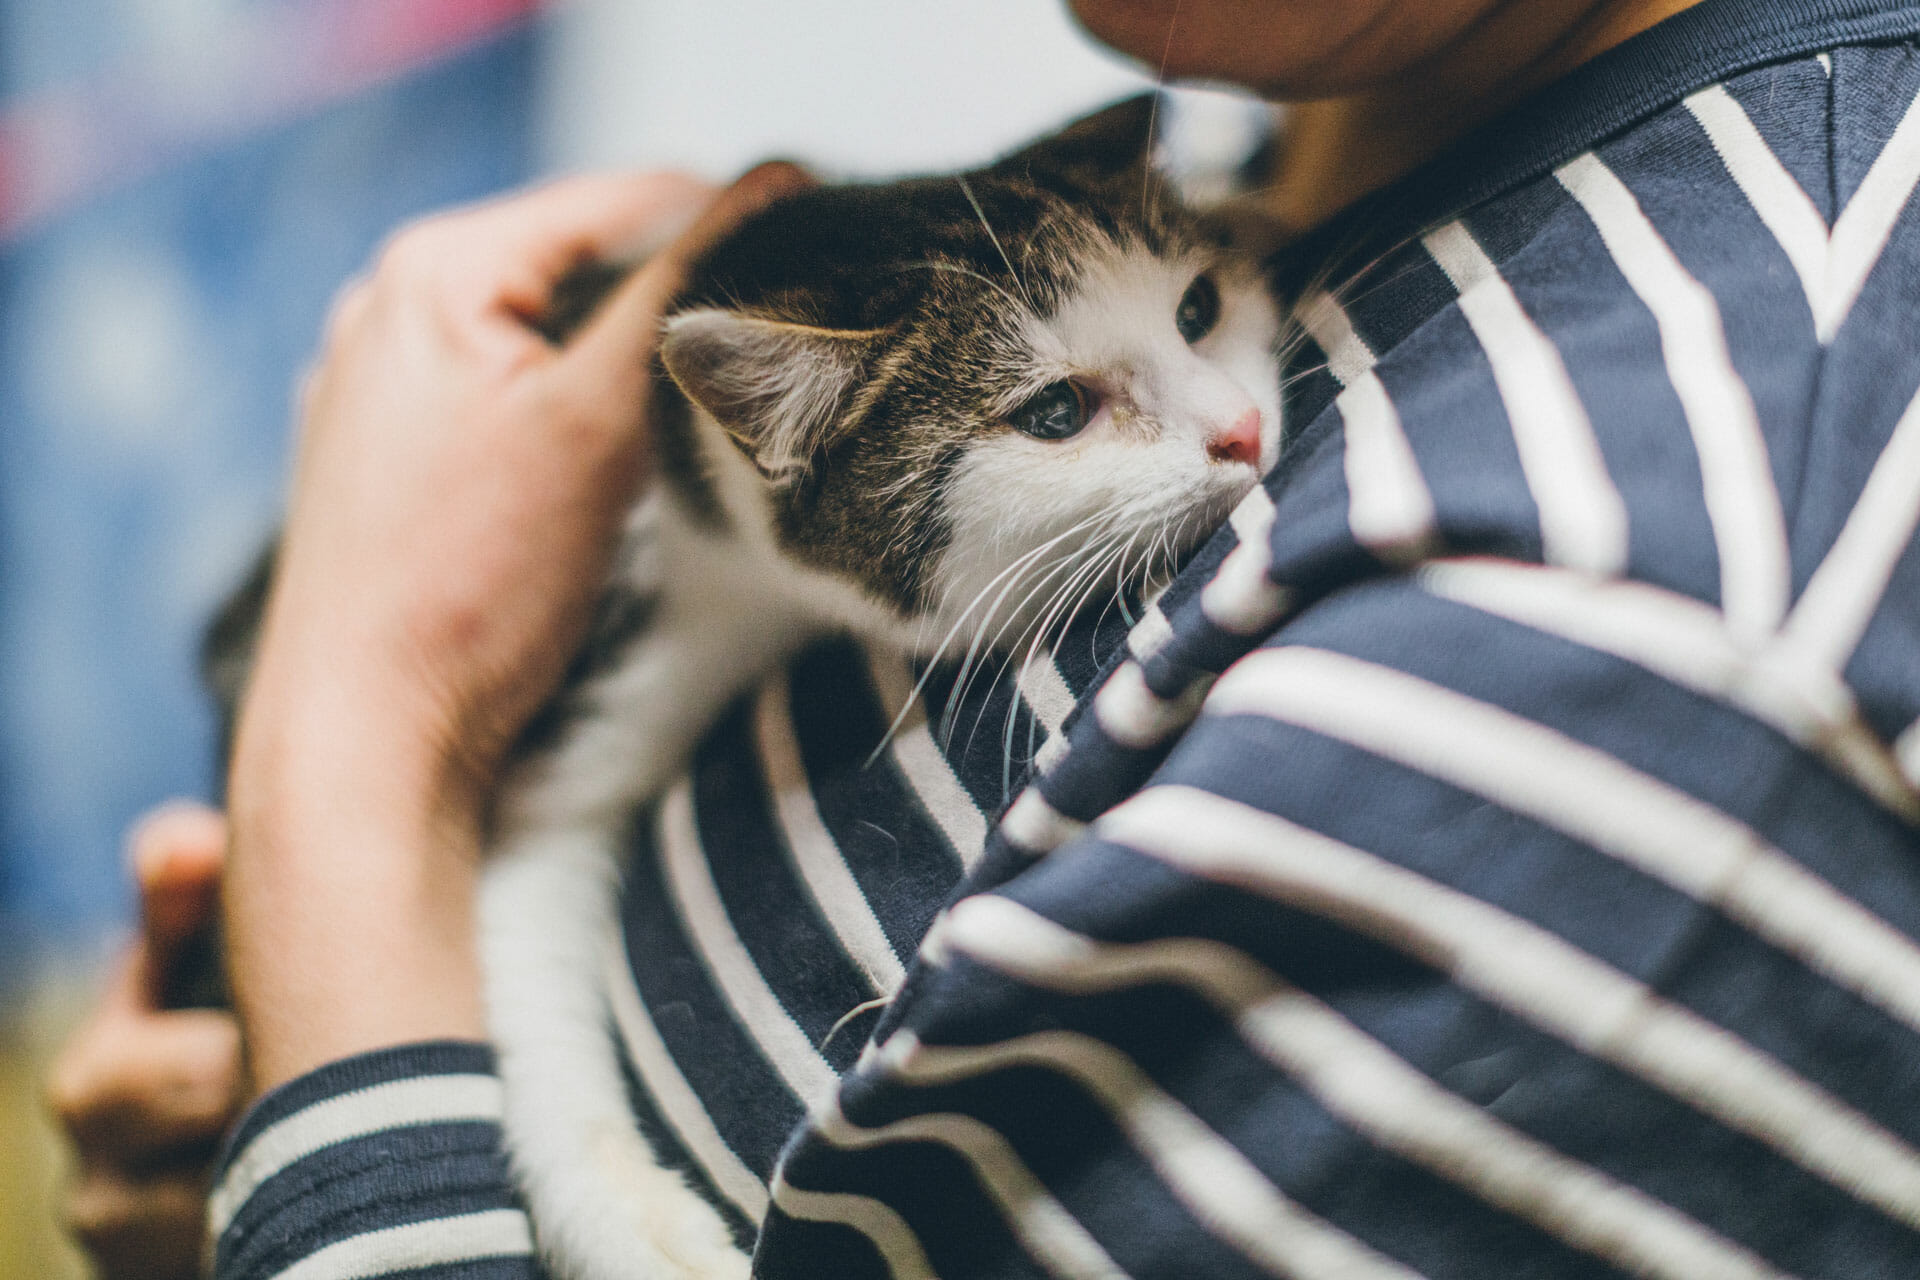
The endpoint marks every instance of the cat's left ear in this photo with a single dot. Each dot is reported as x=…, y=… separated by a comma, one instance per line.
x=781, y=390
x=1108, y=143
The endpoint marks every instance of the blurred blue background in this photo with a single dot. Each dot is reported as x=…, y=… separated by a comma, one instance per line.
x=183, y=185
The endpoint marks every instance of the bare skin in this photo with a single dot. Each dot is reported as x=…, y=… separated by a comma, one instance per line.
x=456, y=498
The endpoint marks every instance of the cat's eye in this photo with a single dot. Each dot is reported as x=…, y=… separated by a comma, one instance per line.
x=1199, y=309
x=1059, y=411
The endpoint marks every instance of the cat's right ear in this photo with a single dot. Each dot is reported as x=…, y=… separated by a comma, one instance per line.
x=1110, y=142
x=781, y=390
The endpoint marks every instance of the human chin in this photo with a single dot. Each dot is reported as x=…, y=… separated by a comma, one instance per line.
x=1285, y=49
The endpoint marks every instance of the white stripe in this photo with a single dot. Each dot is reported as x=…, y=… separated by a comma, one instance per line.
x=1589, y=795
x=816, y=856
x=920, y=762
x=754, y=1006
x=673, y=1096
x=1252, y=517
x=1220, y=1186
x=496, y=1233
x=1389, y=508
x=1583, y=522
x=1045, y=691
x=1686, y=642
x=1841, y=597
x=1042, y=1223
x=1826, y=62
x=1046, y=694
x=1132, y=714
x=441, y=1099
x=1349, y=358
x=1240, y=598
x=1782, y=203
x=1150, y=634
x=1907, y=748
x=899, y=1248
x=1861, y=232
x=1350, y=1073
x=1749, y=529
x=1036, y=826
x=1533, y=973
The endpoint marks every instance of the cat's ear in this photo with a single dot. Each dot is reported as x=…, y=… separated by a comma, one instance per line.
x=1110, y=142
x=779, y=389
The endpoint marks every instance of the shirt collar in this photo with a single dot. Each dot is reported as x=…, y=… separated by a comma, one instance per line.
x=1653, y=70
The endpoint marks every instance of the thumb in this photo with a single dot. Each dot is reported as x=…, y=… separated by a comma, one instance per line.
x=618, y=343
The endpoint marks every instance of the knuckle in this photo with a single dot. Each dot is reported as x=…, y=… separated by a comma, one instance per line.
x=93, y=1212
x=416, y=249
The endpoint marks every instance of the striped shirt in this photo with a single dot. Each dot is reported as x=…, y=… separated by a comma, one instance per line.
x=1495, y=855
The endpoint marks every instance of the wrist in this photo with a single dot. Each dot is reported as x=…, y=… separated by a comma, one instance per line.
x=349, y=891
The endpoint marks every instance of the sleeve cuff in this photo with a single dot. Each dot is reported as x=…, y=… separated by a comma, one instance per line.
x=385, y=1162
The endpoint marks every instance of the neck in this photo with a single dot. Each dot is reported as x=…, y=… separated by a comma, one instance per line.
x=1342, y=148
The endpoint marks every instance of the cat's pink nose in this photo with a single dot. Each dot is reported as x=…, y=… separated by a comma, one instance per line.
x=1239, y=442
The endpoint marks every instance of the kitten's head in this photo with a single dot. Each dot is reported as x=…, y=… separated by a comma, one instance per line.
x=988, y=397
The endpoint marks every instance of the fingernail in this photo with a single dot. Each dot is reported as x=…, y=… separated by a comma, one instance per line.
x=164, y=831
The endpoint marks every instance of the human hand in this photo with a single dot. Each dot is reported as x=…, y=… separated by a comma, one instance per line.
x=459, y=488
x=145, y=1093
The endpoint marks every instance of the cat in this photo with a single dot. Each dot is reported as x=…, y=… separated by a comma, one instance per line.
x=940, y=413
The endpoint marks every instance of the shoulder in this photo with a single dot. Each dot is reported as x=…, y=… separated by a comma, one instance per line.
x=1635, y=361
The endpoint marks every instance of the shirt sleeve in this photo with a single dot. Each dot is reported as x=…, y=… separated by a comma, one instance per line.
x=382, y=1164
x=1486, y=920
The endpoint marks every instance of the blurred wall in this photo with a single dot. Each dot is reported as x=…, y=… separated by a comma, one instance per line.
x=851, y=86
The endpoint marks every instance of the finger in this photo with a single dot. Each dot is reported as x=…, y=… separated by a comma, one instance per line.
x=618, y=342
x=177, y=851
x=534, y=239
x=132, y=1089
x=150, y=1228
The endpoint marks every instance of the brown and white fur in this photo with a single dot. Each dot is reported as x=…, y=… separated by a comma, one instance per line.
x=842, y=454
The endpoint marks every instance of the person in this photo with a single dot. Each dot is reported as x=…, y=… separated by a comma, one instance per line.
x=1492, y=856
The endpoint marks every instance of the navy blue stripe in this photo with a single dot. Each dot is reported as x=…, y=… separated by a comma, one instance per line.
x=798, y=1249
x=1670, y=166
x=391, y=1179
x=749, y=1103
x=933, y=1188
x=1790, y=797
x=897, y=854
x=1709, y=42
x=1881, y=669
x=1628, y=920
x=403, y=1062
x=1540, y=1085
x=667, y=1150
x=970, y=723
x=770, y=907
x=1872, y=89
x=1307, y=385
x=1791, y=105
x=1570, y=287
x=523, y=1268
x=1456, y=423
x=1197, y=1057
